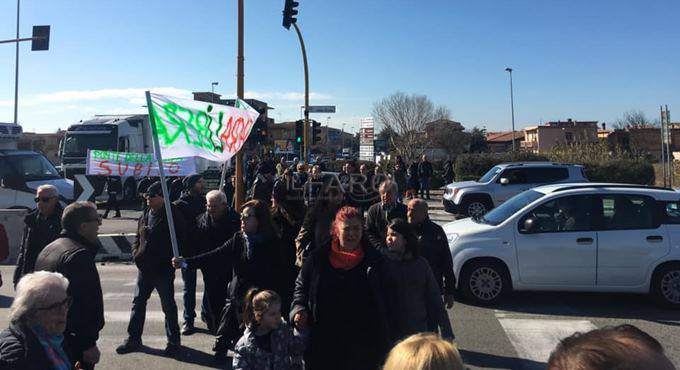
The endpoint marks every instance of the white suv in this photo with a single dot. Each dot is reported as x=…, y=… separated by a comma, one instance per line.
x=572, y=237
x=502, y=182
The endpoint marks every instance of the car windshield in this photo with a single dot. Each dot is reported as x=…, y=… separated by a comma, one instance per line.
x=33, y=167
x=489, y=175
x=510, y=207
x=76, y=145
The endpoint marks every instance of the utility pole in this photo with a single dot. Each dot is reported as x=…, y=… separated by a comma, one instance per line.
x=239, y=184
x=512, y=109
x=16, y=73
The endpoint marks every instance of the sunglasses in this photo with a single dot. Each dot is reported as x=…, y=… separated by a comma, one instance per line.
x=245, y=216
x=66, y=303
x=42, y=199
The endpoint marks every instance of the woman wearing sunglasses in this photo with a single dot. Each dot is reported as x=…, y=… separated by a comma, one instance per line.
x=34, y=339
x=253, y=255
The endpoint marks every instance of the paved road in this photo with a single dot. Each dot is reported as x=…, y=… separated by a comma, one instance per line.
x=517, y=335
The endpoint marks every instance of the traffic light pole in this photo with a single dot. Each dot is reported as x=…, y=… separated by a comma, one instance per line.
x=239, y=186
x=305, y=141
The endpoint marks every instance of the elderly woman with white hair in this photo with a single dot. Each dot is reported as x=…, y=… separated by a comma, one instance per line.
x=37, y=322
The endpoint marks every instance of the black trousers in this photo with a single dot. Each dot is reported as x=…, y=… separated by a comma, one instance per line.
x=112, y=203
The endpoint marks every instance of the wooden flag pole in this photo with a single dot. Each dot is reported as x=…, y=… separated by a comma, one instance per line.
x=161, y=170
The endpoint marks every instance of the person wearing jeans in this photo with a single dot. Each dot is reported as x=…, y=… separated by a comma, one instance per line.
x=424, y=174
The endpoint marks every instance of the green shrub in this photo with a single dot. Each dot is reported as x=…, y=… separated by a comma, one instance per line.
x=623, y=171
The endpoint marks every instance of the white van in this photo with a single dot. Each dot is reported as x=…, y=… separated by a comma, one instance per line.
x=22, y=172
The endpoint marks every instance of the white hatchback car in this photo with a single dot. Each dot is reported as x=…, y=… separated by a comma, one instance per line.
x=572, y=237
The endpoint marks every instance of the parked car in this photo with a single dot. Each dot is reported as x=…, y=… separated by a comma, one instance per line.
x=572, y=237
x=502, y=182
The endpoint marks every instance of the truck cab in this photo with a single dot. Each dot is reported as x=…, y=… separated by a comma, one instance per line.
x=120, y=133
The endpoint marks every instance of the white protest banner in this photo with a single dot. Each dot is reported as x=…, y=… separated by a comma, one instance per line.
x=106, y=163
x=188, y=128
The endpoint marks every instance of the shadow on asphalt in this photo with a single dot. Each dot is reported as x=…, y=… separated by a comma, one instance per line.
x=603, y=305
x=485, y=360
x=187, y=355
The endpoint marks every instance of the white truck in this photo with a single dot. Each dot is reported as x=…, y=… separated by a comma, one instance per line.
x=22, y=171
x=120, y=133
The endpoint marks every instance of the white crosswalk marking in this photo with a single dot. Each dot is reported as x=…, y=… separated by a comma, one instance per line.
x=534, y=339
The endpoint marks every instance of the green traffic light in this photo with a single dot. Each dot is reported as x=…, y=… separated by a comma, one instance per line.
x=299, y=139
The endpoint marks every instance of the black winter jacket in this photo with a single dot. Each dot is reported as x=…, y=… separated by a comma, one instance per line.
x=212, y=235
x=377, y=220
x=435, y=248
x=425, y=170
x=264, y=270
x=191, y=208
x=152, y=249
x=73, y=257
x=38, y=233
x=21, y=350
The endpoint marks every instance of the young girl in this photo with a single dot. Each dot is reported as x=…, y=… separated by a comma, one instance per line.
x=268, y=342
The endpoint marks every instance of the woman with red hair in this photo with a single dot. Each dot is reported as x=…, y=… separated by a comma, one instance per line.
x=335, y=301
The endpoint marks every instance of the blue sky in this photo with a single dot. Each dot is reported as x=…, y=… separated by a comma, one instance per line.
x=571, y=58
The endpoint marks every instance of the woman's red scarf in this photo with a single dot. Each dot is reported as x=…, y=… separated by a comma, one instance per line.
x=344, y=259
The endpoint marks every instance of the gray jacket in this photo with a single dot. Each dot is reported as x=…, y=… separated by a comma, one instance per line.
x=288, y=346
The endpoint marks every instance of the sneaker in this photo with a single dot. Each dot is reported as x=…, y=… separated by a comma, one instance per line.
x=171, y=350
x=187, y=328
x=129, y=346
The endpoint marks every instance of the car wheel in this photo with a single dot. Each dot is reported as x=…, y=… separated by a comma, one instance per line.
x=485, y=283
x=666, y=286
x=475, y=208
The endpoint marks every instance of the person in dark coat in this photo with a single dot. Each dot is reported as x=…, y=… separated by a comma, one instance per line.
x=285, y=193
x=434, y=246
x=152, y=252
x=191, y=204
x=313, y=186
x=214, y=228
x=263, y=187
x=399, y=175
x=449, y=173
x=113, y=187
x=410, y=296
x=254, y=255
x=41, y=227
x=72, y=255
x=316, y=225
x=334, y=300
x=142, y=187
x=34, y=338
x=176, y=188
x=301, y=176
x=380, y=214
x=412, y=184
x=425, y=173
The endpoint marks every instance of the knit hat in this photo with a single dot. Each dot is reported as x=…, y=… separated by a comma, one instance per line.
x=155, y=189
x=190, y=181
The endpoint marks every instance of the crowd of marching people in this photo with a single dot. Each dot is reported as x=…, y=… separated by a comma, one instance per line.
x=314, y=271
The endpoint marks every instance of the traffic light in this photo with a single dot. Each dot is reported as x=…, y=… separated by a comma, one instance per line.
x=299, y=131
x=289, y=13
x=41, y=38
x=316, y=132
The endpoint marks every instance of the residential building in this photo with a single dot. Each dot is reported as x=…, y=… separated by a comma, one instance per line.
x=543, y=138
x=282, y=135
x=643, y=140
x=501, y=142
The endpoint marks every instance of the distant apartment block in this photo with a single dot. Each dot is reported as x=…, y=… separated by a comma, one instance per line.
x=543, y=138
x=501, y=142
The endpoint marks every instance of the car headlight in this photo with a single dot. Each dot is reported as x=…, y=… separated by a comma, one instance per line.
x=451, y=238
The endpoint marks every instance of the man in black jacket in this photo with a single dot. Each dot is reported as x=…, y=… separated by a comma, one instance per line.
x=72, y=255
x=381, y=214
x=113, y=187
x=434, y=247
x=214, y=227
x=425, y=172
x=41, y=227
x=152, y=253
x=191, y=204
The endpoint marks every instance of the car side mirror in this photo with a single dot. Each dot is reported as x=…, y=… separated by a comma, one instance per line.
x=504, y=181
x=529, y=225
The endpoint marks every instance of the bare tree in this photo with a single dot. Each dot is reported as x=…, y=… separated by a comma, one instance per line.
x=633, y=118
x=405, y=117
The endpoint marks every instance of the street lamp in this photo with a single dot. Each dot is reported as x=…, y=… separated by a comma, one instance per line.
x=512, y=108
x=212, y=97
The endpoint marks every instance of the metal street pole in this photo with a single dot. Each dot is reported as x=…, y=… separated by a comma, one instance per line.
x=239, y=185
x=512, y=108
x=16, y=72
x=212, y=97
x=305, y=141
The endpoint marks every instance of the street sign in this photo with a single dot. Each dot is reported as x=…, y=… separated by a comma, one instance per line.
x=321, y=109
x=88, y=190
x=41, y=38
